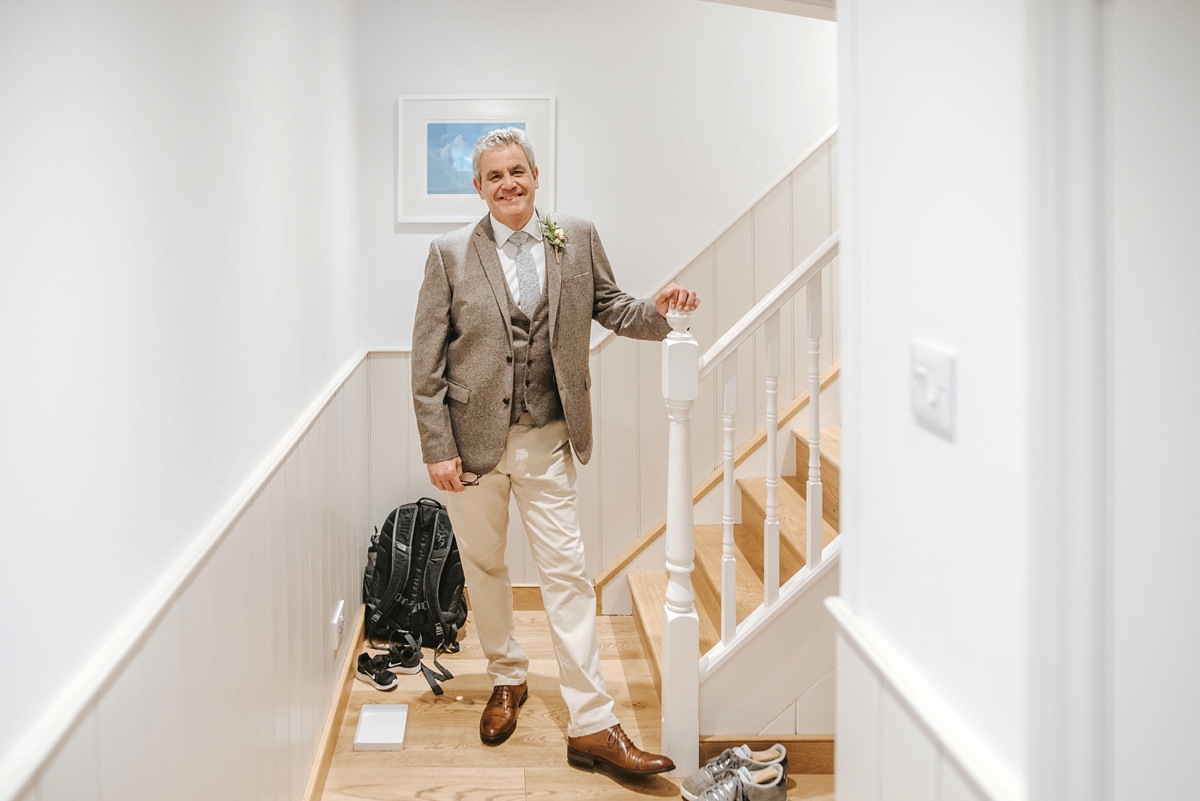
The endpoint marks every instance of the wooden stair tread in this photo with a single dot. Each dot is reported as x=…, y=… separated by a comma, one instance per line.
x=709, y=547
x=831, y=443
x=793, y=521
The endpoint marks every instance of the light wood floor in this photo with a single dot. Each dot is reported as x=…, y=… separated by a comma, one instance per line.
x=443, y=757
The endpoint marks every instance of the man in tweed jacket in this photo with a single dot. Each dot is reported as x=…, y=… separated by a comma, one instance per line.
x=500, y=386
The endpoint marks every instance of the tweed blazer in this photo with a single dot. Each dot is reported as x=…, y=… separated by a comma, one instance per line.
x=462, y=371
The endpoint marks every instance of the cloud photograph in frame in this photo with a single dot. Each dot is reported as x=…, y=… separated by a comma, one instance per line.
x=448, y=154
x=435, y=136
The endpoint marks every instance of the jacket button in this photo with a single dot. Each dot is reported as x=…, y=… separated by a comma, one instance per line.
x=506, y=401
x=526, y=382
x=509, y=358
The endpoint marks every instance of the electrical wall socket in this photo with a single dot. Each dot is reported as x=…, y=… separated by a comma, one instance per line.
x=338, y=625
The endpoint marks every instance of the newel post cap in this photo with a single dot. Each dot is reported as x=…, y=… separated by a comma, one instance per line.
x=680, y=321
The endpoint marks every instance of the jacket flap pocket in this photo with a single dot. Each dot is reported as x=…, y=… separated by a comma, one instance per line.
x=457, y=392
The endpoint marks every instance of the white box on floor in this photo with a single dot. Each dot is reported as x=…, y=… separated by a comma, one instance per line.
x=381, y=727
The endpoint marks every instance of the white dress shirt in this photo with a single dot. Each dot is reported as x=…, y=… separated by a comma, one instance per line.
x=508, y=253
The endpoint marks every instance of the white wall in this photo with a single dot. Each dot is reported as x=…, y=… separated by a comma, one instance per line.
x=1153, y=126
x=178, y=237
x=673, y=115
x=934, y=215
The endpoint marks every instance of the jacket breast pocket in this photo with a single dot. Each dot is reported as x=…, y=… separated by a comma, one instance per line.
x=457, y=392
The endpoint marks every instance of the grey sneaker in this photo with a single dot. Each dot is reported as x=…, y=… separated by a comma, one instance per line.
x=727, y=762
x=768, y=784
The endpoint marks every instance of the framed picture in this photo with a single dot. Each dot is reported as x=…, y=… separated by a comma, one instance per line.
x=436, y=135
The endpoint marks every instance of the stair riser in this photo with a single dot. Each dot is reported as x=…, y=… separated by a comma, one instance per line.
x=830, y=481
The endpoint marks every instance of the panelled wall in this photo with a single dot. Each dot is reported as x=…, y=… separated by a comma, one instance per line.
x=623, y=489
x=897, y=737
x=225, y=694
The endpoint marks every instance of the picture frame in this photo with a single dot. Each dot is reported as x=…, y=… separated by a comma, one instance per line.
x=435, y=137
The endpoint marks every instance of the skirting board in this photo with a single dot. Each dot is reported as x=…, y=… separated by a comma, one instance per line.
x=957, y=741
x=333, y=721
x=806, y=753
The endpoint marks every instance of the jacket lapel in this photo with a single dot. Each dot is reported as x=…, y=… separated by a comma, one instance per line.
x=554, y=274
x=484, y=241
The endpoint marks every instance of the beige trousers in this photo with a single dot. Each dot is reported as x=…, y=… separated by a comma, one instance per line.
x=537, y=468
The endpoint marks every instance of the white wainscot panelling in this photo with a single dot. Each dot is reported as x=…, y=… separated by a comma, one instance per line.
x=225, y=694
x=73, y=771
x=858, y=694
x=908, y=759
x=896, y=740
x=652, y=436
x=783, y=724
x=955, y=786
x=617, y=448
x=815, y=710
x=812, y=206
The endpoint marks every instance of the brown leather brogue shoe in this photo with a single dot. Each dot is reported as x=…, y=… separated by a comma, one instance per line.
x=612, y=750
x=500, y=715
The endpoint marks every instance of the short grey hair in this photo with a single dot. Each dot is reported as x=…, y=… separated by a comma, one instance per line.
x=501, y=137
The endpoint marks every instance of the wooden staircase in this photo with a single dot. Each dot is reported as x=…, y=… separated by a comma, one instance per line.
x=649, y=590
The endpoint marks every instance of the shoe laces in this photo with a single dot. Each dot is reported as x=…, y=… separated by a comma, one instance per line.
x=723, y=764
x=617, y=736
x=730, y=787
x=508, y=693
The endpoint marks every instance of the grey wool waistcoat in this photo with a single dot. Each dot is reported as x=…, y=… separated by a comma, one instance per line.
x=464, y=348
x=534, y=388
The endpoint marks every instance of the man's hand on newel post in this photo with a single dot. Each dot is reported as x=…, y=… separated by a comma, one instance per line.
x=444, y=475
x=673, y=297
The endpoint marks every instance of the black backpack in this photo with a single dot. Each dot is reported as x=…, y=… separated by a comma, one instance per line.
x=413, y=584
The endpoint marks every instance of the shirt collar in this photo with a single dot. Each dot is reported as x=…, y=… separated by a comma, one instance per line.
x=502, y=232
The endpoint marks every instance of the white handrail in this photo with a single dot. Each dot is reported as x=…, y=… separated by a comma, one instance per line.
x=732, y=339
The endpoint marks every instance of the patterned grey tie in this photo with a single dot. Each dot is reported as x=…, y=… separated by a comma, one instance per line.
x=527, y=277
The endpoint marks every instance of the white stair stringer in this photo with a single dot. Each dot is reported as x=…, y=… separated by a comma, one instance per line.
x=779, y=657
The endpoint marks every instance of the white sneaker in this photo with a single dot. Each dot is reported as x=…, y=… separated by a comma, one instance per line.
x=727, y=762
x=768, y=784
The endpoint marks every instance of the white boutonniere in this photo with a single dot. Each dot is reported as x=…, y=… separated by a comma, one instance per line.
x=555, y=235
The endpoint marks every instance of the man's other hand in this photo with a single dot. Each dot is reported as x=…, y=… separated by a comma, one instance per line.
x=673, y=297
x=444, y=475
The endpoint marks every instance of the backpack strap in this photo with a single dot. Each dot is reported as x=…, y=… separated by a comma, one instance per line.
x=444, y=627
x=434, y=676
x=400, y=567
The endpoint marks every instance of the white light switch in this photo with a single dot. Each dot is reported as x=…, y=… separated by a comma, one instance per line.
x=933, y=391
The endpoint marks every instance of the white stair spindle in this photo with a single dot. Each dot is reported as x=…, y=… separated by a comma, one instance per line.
x=814, y=532
x=681, y=624
x=728, y=557
x=771, y=524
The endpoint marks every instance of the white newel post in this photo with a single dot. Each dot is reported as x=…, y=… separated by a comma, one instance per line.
x=815, y=531
x=681, y=624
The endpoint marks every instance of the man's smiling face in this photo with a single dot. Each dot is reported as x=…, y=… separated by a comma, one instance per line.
x=507, y=184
